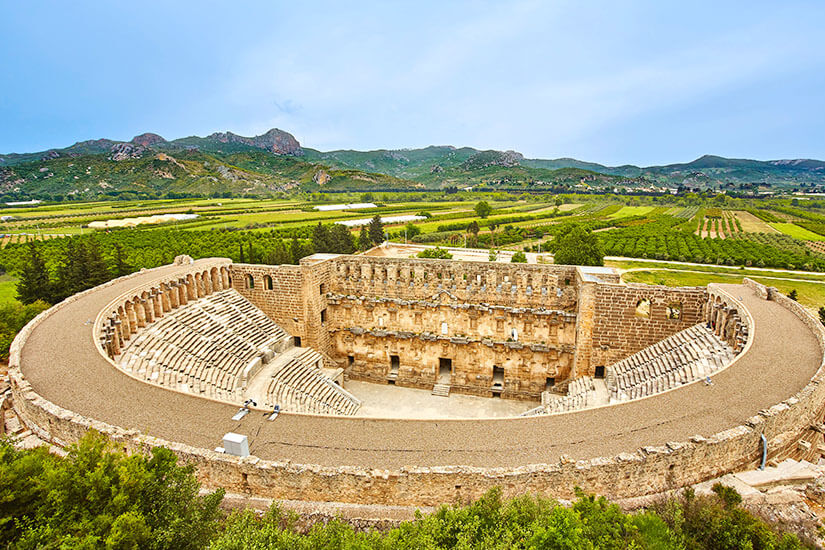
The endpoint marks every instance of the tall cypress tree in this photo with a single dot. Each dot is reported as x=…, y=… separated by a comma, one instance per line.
x=34, y=283
x=296, y=251
x=376, y=230
x=96, y=268
x=364, y=239
x=121, y=267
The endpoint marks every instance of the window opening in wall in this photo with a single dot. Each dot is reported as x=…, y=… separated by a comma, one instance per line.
x=323, y=316
x=350, y=360
x=549, y=382
x=498, y=379
x=250, y=282
x=514, y=334
x=322, y=288
x=643, y=308
x=268, y=282
x=445, y=370
x=444, y=328
x=674, y=311
x=395, y=362
x=297, y=341
x=600, y=371
x=567, y=282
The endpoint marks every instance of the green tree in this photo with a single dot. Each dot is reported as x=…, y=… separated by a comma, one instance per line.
x=121, y=266
x=792, y=294
x=342, y=240
x=98, y=497
x=519, y=258
x=435, y=253
x=483, y=209
x=364, y=239
x=34, y=283
x=321, y=238
x=96, y=270
x=575, y=245
x=13, y=317
x=296, y=251
x=411, y=230
x=376, y=230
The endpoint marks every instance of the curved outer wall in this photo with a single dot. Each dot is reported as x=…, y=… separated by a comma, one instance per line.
x=645, y=471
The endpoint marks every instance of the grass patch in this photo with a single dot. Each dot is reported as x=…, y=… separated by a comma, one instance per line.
x=796, y=232
x=8, y=288
x=739, y=272
x=810, y=294
x=626, y=211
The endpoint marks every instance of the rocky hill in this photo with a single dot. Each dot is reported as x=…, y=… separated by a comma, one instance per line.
x=148, y=165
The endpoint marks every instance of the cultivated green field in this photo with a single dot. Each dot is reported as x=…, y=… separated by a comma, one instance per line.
x=796, y=232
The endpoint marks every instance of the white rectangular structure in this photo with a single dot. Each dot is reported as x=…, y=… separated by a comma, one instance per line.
x=235, y=444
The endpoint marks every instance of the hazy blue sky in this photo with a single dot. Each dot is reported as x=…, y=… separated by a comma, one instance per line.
x=612, y=82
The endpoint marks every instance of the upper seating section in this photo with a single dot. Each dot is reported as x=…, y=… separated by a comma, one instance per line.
x=689, y=355
x=212, y=346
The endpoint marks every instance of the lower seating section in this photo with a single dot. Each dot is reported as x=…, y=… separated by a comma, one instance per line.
x=581, y=393
x=689, y=355
x=211, y=346
x=299, y=385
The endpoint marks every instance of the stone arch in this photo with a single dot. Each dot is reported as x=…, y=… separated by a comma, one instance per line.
x=225, y=280
x=268, y=282
x=249, y=281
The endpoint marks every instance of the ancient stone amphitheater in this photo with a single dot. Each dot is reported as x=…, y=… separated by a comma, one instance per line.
x=626, y=390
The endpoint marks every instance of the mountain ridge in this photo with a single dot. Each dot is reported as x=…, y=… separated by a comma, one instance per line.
x=275, y=161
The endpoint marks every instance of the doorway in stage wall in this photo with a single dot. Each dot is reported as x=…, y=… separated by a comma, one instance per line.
x=445, y=370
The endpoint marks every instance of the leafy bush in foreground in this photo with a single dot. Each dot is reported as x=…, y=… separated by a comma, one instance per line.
x=98, y=497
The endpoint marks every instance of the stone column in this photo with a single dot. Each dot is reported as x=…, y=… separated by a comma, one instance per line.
x=191, y=293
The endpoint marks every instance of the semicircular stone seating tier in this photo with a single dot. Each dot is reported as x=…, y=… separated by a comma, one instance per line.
x=688, y=356
x=192, y=336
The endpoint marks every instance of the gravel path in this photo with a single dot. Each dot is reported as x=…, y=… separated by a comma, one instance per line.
x=62, y=364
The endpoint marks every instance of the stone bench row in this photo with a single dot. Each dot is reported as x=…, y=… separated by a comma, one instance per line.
x=210, y=347
x=299, y=385
x=689, y=355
